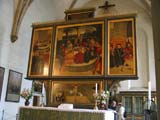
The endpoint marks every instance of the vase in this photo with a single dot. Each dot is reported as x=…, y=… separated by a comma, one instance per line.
x=102, y=106
x=27, y=102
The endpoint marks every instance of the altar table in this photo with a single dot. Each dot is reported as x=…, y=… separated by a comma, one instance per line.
x=48, y=113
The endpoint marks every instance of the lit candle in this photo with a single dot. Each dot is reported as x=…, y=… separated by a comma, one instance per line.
x=96, y=88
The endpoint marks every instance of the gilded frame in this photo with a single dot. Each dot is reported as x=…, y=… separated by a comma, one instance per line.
x=40, y=52
x=2, y=70
x=73, y=43
x=74, y=92
x=13, y=86
x=122, y=48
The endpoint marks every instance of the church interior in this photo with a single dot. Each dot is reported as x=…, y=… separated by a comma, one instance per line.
x=58, y=59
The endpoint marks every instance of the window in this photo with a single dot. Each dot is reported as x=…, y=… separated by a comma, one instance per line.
x=128, y=104
x=134, y=103
x=138, y=106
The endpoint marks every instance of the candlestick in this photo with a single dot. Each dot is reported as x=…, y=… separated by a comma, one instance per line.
x=95, y=106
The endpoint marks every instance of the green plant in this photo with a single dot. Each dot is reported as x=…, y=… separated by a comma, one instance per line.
x=26, y=94
x=102, y=96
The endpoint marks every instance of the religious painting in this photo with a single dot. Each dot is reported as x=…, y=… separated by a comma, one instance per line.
x=75, y=92
x=2, y=70
x=13, y=86
x=79, y=49
x=40, y=55
x=37, y=86
x=121, y=48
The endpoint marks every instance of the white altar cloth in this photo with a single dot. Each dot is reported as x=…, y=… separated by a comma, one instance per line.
x=105, y=114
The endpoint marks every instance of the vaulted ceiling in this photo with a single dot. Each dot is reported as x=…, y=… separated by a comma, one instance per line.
x=21, y=6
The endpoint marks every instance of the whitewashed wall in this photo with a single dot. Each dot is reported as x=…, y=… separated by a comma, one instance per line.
x=15, y=55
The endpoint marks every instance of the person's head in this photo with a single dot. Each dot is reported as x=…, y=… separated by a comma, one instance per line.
x=128, y=45
x=119, y=104
x=68, y=42
x=114, y=103
x=119, y=45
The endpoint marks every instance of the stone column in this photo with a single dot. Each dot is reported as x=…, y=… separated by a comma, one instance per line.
x=155, y=8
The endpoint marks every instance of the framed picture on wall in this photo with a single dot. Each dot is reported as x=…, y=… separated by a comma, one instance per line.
x=14, y=86
x=37, y=86
x=74, y=92
x=122, y=48
x=40, y=54
x=2, y=70
x=79, y=49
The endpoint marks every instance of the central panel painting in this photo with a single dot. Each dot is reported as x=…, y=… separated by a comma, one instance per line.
x=79, y=49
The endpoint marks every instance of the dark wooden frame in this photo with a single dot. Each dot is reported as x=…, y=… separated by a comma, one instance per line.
x=133, y=94
x=79, y=14
x=92, y=24
x=13, y=86
x=126, y=66
x=2, y=70
x=41, y=49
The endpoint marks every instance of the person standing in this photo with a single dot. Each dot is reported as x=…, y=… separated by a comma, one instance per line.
x=115, y=108
x=121, y=111
x=119, y=55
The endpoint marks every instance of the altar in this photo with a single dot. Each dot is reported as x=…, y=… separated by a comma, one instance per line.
x=50, y=113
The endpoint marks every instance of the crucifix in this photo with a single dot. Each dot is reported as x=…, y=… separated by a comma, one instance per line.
x=106, y=5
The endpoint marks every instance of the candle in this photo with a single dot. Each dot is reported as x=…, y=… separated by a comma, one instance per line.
x=149, y=90
x=43, y=95
x=149, y=94
x=96, y=88
x=43, y=89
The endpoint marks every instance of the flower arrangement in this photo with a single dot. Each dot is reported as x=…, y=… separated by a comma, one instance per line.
x=101, y=97
x=26, y=94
